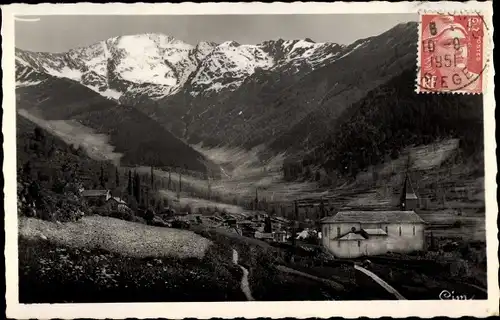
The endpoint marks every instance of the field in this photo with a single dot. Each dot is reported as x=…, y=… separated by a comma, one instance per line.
x=118, y=236
x=101, y=259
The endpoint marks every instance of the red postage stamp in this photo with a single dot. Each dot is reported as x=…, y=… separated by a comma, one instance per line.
x=451, y=51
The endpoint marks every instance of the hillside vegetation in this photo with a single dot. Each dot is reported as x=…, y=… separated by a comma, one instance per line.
x=141, y=139
x=50, y=174
x=389, y=119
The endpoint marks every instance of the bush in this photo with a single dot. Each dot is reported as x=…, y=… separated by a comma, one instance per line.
x=178, y=224
x=149, y=215
x=460, y=268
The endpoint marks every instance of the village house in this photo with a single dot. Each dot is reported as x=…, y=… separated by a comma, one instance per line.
x=247, y=227
x=263, y=235
x=351, y=234
x=96, y=197
x=279, y=236
x=115, y=203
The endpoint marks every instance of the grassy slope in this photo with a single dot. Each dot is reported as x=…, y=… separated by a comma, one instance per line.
x=114, y=235
x=141, y=139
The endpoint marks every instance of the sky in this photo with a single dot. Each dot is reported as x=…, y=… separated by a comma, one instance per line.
x=60, y=33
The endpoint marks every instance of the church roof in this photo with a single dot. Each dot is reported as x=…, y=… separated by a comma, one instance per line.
x=374, y=217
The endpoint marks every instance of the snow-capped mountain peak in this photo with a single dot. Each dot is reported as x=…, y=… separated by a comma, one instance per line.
x=156, y=65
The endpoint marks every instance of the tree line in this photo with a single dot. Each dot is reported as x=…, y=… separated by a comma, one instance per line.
x=389, y=119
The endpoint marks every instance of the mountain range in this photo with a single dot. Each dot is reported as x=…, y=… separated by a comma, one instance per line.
x=280, y=95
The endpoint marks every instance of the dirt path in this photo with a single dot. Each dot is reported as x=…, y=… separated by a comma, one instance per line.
x=307, y=275
x=245, y=286
x=381, y=282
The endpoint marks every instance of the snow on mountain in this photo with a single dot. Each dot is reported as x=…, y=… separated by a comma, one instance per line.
x=26, y=76
x=355, y=46
x=156, y=65
x=153, y=59
x=228, y=65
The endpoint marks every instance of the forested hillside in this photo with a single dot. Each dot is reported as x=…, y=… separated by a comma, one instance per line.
x=50, y=173
x=141, y=139
x=392, y=117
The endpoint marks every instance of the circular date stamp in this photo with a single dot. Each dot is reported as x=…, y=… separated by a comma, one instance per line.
x=451, y=53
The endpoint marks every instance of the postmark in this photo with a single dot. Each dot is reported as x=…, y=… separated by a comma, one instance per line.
x=451, y=53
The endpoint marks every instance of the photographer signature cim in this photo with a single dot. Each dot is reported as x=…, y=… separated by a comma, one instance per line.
x=447, y=295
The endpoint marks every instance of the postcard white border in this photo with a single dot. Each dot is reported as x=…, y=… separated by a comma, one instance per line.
x=302, y=309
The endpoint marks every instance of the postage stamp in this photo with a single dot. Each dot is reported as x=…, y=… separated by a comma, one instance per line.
x=451, y=53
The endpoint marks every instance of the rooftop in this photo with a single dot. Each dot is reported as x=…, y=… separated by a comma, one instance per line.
x=117, y=199
x=411, y=196
x=375, y=232
x=374, y=217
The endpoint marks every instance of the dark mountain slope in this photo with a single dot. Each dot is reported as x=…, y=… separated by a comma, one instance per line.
x=345, y=82
x=289, y=111
x=141, y=139
x=392, y=117
x=50, y=172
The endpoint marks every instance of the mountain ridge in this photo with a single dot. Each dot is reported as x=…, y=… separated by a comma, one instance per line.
x=283, y=94
x=164, y=63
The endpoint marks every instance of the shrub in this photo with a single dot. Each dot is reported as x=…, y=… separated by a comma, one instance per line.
x=460, y=268
x=149, y=215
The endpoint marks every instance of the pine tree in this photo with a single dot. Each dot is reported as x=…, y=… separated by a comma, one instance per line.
x=256, y=201
x=268, y=225
x=296, y=214
x=101, y=178
x=318, y=176
x=209, y=187
x=117, y=178
x=321, y=209
x=402, y=198
x=152, y=178
x=137, y=188
x=129, y=187
x=27, y=168
x=432, y=246
x=180, y=181
x=169, y=186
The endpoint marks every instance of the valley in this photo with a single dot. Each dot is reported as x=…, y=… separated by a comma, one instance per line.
x=189, y=160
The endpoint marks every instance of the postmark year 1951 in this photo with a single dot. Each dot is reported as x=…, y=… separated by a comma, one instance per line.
x=451, y=51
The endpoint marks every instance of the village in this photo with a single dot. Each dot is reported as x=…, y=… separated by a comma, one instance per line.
x=306, y=223
x=329, y=239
